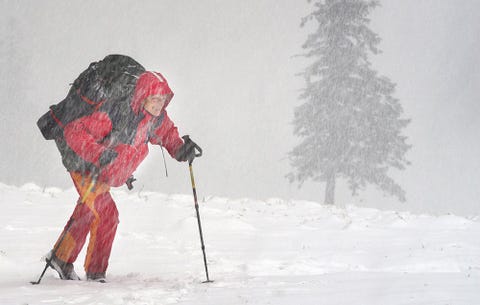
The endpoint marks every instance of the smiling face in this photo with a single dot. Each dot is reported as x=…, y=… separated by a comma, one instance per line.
x=154, y=104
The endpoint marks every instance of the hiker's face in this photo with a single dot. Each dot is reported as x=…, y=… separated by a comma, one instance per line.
x=154, y=104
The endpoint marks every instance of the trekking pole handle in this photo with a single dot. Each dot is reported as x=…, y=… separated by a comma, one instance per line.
x=186, y=139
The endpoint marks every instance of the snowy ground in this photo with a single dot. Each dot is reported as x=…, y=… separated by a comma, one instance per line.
x=259, y=252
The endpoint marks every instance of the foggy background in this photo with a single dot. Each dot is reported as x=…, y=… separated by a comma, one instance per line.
x=232, y=66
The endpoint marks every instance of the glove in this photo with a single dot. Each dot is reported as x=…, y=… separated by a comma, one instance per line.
x=187, y=150
x=107, y=157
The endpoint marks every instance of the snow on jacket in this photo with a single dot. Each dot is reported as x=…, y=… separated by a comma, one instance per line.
x=125, y=130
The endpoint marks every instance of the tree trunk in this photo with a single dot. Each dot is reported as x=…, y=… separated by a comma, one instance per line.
x=330, y=190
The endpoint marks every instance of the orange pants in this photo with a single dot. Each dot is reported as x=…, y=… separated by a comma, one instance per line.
x=95, y=213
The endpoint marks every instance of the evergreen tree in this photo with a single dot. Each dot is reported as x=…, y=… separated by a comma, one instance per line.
x=350, y=123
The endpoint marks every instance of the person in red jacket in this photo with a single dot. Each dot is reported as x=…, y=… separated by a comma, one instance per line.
x=110, y=145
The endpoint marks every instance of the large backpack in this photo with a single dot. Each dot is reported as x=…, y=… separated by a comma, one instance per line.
x=107, y=83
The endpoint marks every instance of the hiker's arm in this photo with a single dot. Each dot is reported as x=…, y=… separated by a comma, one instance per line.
x=167, y=136
x=83, y=135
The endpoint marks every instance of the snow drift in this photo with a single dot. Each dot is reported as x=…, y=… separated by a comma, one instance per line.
x=259, y=252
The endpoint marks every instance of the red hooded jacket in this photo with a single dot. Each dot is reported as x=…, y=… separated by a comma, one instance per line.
x=125, y=131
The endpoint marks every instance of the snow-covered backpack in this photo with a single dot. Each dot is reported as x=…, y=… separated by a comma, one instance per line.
x=104, y=83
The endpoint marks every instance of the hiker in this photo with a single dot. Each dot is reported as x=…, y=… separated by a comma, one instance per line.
x=109, y=146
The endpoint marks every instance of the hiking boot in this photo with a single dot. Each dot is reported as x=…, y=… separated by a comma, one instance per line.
x=65, y=270
x=96, y=277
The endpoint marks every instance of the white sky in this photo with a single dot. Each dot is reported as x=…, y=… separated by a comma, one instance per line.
x=231, y=65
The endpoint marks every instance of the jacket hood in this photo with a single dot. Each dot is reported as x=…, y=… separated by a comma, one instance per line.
x=150, y=83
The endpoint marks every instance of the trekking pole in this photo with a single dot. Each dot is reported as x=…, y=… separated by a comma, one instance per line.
x=198, y=212
x=54, y=251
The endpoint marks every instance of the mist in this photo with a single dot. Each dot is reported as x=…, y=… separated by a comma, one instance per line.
x=233, y=67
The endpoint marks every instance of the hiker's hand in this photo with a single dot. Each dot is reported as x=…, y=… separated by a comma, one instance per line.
x=187, y=150
x=107, y=157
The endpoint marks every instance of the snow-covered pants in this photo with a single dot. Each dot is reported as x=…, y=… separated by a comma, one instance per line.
x=95, y=213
